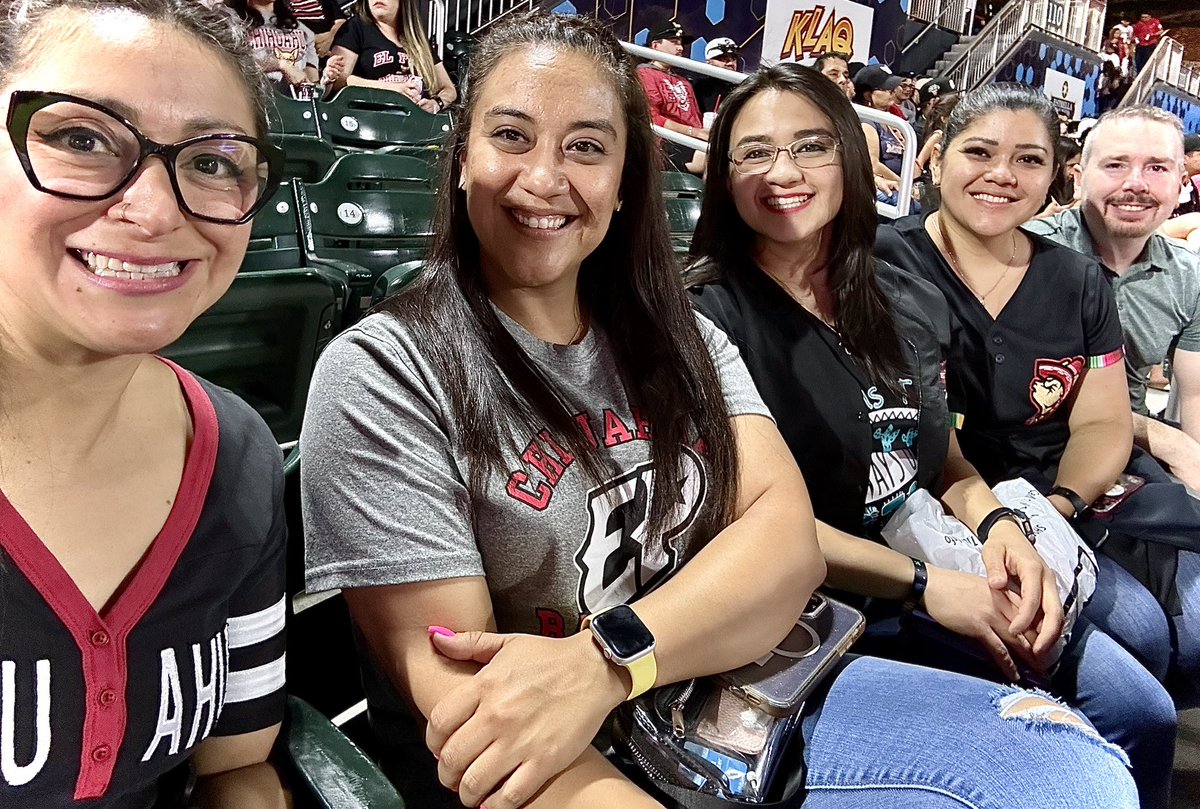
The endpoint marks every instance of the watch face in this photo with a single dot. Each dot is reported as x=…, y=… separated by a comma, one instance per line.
x=623, y=632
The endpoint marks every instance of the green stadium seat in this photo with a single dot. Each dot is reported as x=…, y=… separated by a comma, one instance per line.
x=371, y=210
x=328, y=770
x=681, y=183
x=290, y=116
x=262, y=338
x=306, y=157
x=682, y=193
x=275, y=238
x=396, y=279
x=369, y=118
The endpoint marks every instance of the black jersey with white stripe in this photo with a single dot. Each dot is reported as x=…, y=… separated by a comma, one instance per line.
x=95, y=708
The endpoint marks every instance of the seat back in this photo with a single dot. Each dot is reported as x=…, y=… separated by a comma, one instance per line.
x=367, y=118
x=373, y=210
x=290, y=116
x=681, y=184
x=262, y=338
x=275, y=237
x=305, y=157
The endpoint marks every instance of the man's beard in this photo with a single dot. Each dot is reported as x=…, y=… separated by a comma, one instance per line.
x=1131, y=230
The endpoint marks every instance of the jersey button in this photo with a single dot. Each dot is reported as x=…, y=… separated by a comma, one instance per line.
x=107, y=697
x=998, y=339
x=101, y=752
x=100, y=638
x=999, y=359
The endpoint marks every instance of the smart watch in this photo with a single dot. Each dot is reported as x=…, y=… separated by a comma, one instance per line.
x=627, y=642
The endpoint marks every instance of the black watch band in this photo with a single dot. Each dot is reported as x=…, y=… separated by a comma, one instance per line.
x=1078, y=503
x=994, y=516
x=920, y=580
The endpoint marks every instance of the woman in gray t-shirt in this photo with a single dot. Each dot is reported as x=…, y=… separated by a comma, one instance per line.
x=540, y=429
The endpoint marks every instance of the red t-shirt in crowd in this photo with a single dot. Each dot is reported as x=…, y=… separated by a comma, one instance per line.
x=671, y=97
x=1147, y=32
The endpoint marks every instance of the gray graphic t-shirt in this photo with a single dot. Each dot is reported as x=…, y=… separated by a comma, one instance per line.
x=386, y=498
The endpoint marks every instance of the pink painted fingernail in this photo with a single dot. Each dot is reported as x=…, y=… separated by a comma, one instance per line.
x=441, y=630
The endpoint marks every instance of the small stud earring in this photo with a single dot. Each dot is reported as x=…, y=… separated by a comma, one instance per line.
x=619, y=204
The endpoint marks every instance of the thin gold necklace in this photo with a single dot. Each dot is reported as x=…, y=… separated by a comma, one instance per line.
x=950, y=254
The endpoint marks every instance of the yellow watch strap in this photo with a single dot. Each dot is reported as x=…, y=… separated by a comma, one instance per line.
x=644, y=672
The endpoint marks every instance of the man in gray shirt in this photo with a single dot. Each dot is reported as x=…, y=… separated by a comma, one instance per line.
x=1129, y=181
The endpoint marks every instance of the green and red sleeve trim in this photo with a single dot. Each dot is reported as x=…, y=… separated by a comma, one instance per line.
x=1105, y=360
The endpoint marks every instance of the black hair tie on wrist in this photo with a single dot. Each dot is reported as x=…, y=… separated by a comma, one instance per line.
x=920, y=581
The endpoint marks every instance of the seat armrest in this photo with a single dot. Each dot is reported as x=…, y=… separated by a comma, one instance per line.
x=338, y=775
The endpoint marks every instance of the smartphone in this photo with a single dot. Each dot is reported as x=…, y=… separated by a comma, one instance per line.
x=1118, y=493
x=780, y=680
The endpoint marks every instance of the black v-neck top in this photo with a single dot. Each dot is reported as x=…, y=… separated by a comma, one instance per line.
x=1015, y=376
x=98, y=708
x=862, y=449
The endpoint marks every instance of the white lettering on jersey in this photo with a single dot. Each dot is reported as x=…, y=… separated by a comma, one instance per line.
x=20, y=774
x=616, y=562
x=209, y=683
x=170, y=706
x=206, y=689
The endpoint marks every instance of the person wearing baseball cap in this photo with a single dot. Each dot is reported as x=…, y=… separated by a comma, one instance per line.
x=672, y=98
x=873, y=86
x=1189, y=198
x=724, y=53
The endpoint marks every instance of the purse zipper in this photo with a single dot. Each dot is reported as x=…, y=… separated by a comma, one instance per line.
x=678, y=725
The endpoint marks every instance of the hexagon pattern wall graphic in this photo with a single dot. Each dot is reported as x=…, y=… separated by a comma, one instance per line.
x=715, y=11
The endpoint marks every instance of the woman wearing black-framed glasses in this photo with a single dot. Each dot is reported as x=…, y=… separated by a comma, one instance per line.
x=141, y=526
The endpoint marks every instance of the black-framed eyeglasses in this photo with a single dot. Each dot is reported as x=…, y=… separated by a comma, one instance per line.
x=74, y=148
x=807, y=153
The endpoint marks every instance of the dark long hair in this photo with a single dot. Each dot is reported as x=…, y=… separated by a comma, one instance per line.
x=284, y=18
x=723, y=243
x=629, y=285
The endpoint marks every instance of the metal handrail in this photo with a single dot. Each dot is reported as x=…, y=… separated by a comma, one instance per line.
x=1164, y=65
x=907, y=167
x=953, y=15
x=1078, y=21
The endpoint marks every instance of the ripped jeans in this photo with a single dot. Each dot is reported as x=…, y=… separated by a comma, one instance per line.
x=891, y=735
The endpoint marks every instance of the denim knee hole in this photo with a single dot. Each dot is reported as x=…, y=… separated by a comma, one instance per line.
x=1043, y=713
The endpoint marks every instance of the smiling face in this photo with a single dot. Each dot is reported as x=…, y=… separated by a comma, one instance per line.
x=788, y=208
x=1131, y=179
x=69, y=269
x=995, y=174
x=542, y=167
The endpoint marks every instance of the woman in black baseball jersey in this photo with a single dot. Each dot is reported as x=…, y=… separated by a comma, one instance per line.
x=849, y=353
x=1037, y=371
x=141, y=527
x=384, y=45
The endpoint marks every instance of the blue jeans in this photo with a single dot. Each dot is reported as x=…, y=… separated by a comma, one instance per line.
x=1169, y=649
x=892, y=736
x=1126, y=705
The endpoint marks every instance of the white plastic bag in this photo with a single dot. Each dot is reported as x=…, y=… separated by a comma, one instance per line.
x=1061, y=548
x=921, y=528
